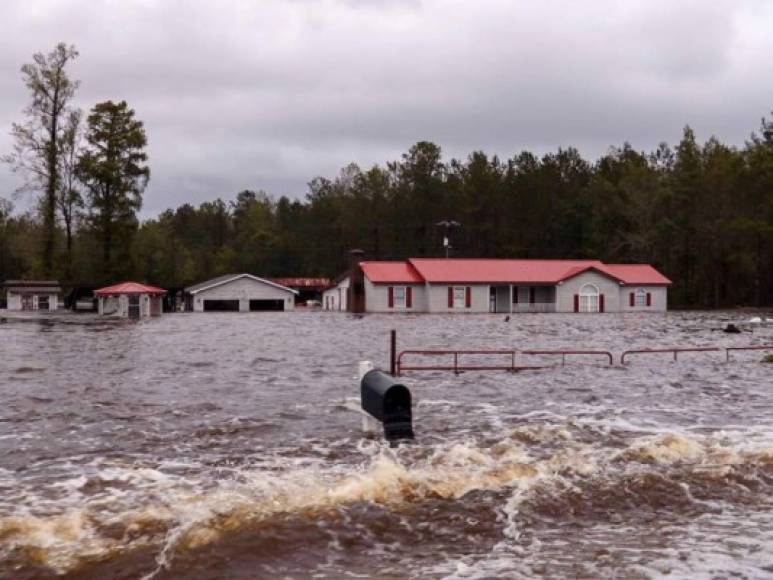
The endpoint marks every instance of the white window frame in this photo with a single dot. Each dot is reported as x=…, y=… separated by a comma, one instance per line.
x=589, y=298
x=400, y=303
x=460, y=302
x=640, y=298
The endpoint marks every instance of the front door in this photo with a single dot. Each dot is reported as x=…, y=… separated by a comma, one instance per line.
x=134, y=306
x=26, y=302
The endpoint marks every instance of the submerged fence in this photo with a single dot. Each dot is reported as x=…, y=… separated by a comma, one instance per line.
x=460, y=360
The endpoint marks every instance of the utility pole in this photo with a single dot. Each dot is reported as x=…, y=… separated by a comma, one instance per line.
x=447, y=224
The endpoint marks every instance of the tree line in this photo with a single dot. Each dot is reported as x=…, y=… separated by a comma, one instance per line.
x=702, y=213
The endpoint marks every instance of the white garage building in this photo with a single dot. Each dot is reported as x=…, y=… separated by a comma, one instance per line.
x=239, y=293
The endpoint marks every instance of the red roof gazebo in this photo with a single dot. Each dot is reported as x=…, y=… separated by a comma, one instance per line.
x=130, y=299
x=129, y=288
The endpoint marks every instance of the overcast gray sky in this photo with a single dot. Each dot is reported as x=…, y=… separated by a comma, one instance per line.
x=267, y=94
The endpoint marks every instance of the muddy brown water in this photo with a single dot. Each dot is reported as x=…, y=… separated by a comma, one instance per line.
x=215, y=445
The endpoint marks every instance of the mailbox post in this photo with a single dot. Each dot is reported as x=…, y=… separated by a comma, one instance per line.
x=385, y=400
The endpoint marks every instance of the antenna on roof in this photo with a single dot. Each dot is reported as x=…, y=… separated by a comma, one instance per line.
x=447, y=224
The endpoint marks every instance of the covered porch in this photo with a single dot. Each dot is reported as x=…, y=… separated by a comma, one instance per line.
x=513, y=298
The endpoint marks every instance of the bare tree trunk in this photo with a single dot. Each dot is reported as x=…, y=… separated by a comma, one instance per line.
x=49, y=212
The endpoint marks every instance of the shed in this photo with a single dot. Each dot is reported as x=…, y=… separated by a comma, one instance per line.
x=32, y=294
x=130, y=300
x=309, y=289
x=239, y=293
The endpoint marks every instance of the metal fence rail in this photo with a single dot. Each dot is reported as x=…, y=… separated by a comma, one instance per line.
x=563, y=353
x=506, y=358
x=756, y=347
x=458, y=367
x=675, y=351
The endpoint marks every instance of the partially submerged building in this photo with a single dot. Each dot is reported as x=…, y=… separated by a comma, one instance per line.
x=32, y=294
x=493, y=285
x=239, y=293
x=335, y=297
x=130, y=300
x=309, y=290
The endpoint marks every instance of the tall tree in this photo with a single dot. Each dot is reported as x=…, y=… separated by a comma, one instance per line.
x=113, y=169
x=69, y=199
x=37, y=152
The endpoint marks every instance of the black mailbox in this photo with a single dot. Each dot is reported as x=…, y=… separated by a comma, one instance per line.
x=388, y=401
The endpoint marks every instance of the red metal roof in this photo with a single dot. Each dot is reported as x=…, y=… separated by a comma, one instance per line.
x=491, y=271
x=128, y=288
x=391, y=272
x=488, y=271
x=637, y=274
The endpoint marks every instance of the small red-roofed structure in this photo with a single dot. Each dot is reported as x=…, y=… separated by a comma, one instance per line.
x=130, y=300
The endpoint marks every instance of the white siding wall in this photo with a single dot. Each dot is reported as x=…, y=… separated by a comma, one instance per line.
x=14, y=301
x=377, y=298
x=437, y=298
x=335, y=298
x=659, y=299
x=243, y=290
x=609, y=288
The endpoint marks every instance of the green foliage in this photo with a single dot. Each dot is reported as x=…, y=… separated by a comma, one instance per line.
x=768, y=358
x=38, y=149
x=701, y=213
x=113, y=171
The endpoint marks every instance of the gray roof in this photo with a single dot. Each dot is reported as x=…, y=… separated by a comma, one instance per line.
x=31, y=283
x=33, y=286
x=212, y=282
x=228, y=277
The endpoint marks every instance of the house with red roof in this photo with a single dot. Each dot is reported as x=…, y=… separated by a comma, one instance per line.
x=460, y=285
x=130, y=300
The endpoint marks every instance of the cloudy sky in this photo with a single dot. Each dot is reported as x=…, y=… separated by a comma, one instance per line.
x=266, y=94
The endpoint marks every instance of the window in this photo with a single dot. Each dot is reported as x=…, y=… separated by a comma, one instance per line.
x=459, y=296
x=641, y=297
x=589, y=298
x=42, y=302
x=399, y=296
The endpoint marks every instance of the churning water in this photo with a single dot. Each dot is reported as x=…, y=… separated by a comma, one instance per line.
x=219, y=446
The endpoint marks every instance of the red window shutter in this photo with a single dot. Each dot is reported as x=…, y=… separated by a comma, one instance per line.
x=532, y=294
x=649, y=299
x=450, y=296
x=391, y=297
x=631, y=299
x=576, y=302
x=601, y=303
x=408, y=297
x=467, y=297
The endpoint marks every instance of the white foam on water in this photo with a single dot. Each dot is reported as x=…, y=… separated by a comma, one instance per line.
x=196, y=513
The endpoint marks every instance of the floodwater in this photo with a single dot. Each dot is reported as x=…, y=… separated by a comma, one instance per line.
x=209, y=446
